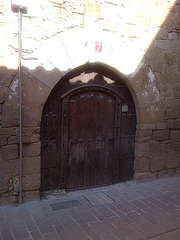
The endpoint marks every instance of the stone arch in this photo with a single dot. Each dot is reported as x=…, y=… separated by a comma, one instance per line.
x=102, y=82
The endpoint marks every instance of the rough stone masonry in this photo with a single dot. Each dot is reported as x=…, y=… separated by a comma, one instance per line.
x=140, y=39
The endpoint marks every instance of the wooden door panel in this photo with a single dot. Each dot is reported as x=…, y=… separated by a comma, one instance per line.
x=90, y=139
x=91, y=116
x=128, y=124
x=50, y=176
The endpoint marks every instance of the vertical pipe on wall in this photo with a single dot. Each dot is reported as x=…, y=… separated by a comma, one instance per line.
x=16, y=8
x=20, y=103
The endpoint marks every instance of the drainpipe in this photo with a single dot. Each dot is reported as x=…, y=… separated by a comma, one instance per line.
x=20, y=104
x=20, y=10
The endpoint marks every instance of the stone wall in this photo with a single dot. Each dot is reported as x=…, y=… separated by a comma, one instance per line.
x=140, y=39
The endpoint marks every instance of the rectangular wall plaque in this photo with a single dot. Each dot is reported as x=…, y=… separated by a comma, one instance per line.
x=98, y=47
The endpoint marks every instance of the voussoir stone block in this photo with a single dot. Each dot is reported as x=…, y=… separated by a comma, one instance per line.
x=10, y=116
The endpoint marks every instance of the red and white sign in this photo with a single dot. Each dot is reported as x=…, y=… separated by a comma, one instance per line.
x=98, y=47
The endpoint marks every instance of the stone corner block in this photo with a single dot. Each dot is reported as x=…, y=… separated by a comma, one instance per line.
x=31, y=196
x=31, y=165
x=31, y=182
x=142, y=164
x=31, y=149
x=144, y=176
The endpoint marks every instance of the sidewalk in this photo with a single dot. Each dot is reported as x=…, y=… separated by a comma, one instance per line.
x=125, y=211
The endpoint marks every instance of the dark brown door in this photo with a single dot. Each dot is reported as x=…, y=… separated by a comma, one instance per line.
x=90, y=123
x=87, y=131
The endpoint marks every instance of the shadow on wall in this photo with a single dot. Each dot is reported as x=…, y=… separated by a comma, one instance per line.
x=35, y=93
x=36, y=87
x=155, y=88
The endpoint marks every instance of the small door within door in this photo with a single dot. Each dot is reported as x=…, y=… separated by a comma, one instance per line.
x=90, y=138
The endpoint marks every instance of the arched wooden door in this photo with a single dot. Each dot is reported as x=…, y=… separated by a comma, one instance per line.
x=90, y=136
x=87, y=134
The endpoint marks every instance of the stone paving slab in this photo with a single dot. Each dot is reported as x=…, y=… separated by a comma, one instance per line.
x=173, y=235
x=125, y=211
x=98, y=198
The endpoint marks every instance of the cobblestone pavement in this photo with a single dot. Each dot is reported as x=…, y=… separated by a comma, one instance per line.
x=125, y=211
